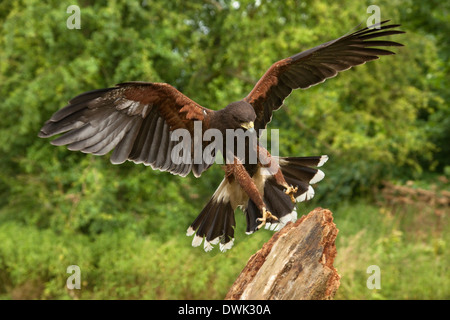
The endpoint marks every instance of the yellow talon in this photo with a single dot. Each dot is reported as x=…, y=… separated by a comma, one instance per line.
x=266, y=215
x=290, y=191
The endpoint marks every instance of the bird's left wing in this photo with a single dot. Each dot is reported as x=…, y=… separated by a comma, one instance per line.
x=133, y=118
x=314, y=66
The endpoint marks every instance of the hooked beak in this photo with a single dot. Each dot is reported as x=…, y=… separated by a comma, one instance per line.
x=248, y=125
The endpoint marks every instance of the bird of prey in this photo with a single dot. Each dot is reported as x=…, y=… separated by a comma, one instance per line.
x=138, y=119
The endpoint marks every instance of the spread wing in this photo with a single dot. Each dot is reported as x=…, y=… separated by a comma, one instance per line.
x=314, y=66
x=136, y=120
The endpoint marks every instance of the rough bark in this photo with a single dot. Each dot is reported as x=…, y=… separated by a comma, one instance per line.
x=295, y=264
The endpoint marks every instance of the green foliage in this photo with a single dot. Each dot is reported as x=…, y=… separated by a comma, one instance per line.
x=124, y=225
x=116, y=265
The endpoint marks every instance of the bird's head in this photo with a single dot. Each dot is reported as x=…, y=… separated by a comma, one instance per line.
x=239, y=115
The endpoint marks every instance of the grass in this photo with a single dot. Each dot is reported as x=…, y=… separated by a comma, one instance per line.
x=409, y=247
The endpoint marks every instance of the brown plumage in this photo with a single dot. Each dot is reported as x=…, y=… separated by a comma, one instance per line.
x=314, y=66
x=137, y=120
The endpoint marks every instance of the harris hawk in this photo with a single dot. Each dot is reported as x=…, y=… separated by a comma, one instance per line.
x=137, y=121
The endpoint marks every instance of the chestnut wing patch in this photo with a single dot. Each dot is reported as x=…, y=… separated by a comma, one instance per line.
x=135, y=119
x=314, y=66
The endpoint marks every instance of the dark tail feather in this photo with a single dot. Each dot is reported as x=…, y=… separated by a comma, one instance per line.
x=306, y=161
x=215, y=224
x=252, y=213
x=277, y=202
x=297, y=172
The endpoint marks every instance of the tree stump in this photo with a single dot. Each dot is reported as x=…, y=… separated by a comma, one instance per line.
x=295, y=264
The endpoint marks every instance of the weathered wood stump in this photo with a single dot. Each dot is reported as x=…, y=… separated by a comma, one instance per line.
x=296, y=263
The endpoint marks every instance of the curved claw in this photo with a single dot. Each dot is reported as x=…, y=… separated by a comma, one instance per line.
x=266, y=215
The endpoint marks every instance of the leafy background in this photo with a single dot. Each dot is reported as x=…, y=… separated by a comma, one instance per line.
x=125, y=225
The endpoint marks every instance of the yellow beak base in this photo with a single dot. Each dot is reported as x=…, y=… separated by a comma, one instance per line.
x=248, y=125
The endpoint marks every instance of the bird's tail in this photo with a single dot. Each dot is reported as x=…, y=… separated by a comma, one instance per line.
x=215, y=223
x=298, y=172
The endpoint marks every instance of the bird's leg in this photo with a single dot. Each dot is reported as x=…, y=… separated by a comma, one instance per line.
x=238, y=171
x=266, y=160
